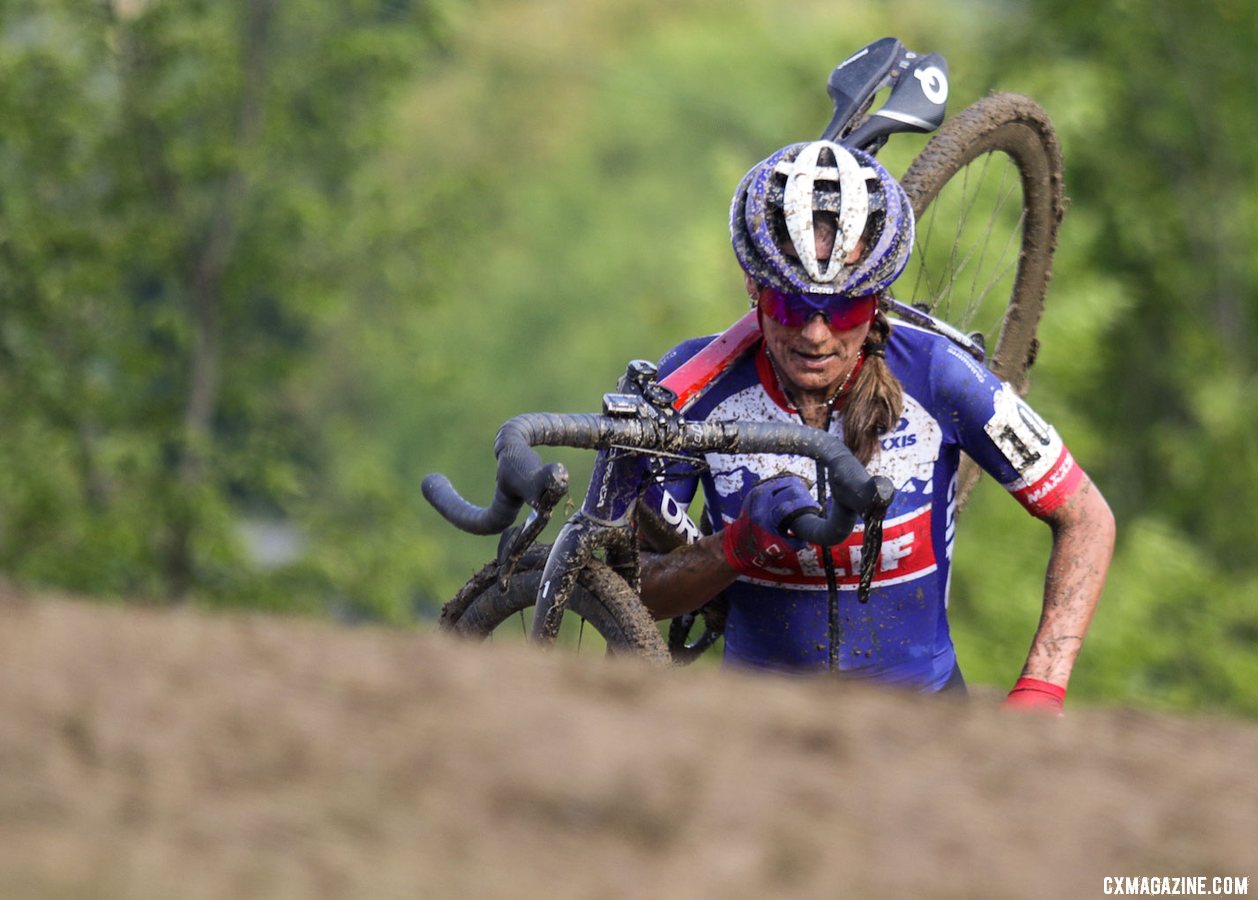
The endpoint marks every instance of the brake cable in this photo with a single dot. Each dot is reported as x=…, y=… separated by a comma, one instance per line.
x=832, y=583
x=871, y=555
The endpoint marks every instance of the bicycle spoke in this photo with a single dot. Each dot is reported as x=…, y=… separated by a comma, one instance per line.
x=975, y=252
x=1011, y=260
x=923, y=249
x=1004, y=191
x=968, y=203
x=954, y=268
x=1004, y=261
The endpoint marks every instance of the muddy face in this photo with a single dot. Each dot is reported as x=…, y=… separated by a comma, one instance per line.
x=814, y=360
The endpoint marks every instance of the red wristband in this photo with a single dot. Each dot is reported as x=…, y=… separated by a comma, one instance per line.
x=1032, y=693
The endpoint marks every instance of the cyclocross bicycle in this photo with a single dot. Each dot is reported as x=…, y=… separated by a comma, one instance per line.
x=987, y=193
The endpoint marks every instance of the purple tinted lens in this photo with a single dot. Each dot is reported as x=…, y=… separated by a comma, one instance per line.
x=794, y=311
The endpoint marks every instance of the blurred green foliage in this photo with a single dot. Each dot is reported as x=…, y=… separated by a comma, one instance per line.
x=176, y=188
x=272, y=263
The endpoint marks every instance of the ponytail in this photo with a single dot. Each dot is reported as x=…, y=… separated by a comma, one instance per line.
x=876, y=400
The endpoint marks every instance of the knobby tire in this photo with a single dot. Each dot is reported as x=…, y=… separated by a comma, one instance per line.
x=601, y=597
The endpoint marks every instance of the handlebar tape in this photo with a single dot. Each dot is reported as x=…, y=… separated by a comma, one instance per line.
x=522, y=477
x=469, y=517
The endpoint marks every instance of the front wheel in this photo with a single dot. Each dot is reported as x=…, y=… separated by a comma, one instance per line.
x=601, y=602
x=988, y=197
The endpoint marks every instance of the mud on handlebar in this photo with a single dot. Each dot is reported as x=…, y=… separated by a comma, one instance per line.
x=524, y=478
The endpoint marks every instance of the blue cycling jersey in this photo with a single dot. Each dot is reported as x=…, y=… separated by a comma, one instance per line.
x=951, y=404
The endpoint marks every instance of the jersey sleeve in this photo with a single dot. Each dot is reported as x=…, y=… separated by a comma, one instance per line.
x=1003, y=434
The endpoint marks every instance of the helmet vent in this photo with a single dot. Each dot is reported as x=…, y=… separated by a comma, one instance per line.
x=806, y=176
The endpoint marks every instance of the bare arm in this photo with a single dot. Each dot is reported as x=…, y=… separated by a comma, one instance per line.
x=1083, y=541
x=688, y=577
x=683, y=580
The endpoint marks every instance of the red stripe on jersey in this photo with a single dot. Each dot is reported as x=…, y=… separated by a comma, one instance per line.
x=769, y=380
x=907, y=553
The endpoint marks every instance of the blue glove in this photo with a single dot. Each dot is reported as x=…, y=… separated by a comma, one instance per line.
x=759, y=542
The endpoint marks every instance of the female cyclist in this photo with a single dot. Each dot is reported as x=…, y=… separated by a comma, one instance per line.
x=820, y=231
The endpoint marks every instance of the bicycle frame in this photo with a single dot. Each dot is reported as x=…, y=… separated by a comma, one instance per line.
x=642, y=417
x=605, y=521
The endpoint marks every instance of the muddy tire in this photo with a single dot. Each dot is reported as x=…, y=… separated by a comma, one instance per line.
x=602, y=599
x=987, y=193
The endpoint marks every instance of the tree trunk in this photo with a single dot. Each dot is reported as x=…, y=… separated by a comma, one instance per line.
x=210, y=262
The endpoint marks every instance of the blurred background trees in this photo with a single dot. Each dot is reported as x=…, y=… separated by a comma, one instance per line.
x=263, y=265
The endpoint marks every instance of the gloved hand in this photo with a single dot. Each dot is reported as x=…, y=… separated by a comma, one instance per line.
x=758, y=542
x=1036, y=695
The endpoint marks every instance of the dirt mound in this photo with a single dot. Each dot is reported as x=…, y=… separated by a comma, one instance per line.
x=173, y=754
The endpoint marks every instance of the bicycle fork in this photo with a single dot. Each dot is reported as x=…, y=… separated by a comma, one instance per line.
x=603, y=522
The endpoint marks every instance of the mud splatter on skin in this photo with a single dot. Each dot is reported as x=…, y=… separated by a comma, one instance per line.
x=1083, y=541
x=676, y=583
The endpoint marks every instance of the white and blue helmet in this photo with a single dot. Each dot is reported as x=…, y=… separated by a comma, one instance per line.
x=774, y=207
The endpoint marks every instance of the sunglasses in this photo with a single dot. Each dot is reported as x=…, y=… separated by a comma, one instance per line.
x=796, y=310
